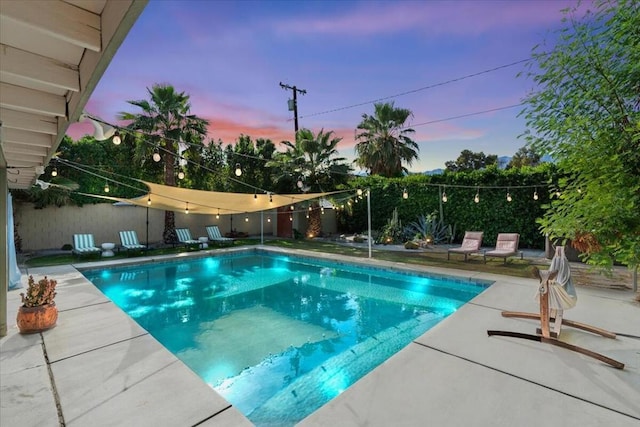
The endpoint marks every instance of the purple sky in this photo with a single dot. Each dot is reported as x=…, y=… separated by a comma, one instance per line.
x=230, y=56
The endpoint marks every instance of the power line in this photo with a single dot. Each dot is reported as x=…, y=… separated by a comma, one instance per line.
x=457, y=79
x=465, y=115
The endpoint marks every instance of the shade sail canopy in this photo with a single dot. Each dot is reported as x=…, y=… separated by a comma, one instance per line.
x=211, y=202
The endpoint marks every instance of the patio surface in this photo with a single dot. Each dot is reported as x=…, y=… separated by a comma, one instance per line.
x=98, y=367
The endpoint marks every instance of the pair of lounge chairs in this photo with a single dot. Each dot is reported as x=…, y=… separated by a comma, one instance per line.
x=84, y=244
x=213, y=234
x=506, y=246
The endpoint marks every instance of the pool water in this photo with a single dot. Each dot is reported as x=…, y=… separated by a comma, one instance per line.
x=279, y=336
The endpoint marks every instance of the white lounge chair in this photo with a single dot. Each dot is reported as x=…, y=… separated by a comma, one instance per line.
x=506, y=246
x=184, y=237
x=129, y=241
x=215, y=236
x=83, y=244
x=470, y=244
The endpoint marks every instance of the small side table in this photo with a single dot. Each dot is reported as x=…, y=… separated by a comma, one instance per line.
x=203, y=242
x=107, y=249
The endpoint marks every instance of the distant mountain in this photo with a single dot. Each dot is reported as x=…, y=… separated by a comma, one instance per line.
x=438, y=171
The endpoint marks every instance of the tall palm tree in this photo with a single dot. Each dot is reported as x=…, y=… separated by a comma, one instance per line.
x=164, y=121
x=311, y=164
x=383, y=144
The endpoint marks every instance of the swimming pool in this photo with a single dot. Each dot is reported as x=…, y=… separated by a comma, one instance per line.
x=279, y=336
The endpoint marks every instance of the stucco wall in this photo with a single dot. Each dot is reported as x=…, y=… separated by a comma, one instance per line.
x=52, y=227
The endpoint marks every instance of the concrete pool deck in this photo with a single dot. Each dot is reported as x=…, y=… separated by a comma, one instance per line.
x=98, y=367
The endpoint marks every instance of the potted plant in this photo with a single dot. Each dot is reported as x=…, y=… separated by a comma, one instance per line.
x=38, y=311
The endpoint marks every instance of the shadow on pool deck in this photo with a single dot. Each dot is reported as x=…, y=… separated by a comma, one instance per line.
x=98, y=367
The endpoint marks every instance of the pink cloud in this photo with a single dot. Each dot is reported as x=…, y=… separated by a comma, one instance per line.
x=444, y=17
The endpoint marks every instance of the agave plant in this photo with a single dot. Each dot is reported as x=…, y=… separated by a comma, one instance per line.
x=429, y=229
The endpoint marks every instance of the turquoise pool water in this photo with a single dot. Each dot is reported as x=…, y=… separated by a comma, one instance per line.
x=279, y=336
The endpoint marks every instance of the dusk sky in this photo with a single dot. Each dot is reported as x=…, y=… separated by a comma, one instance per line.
x=230, y=57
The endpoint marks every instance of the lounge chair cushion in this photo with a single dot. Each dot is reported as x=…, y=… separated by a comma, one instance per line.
x=84, y=244
x=129, y=240
x=215, y=236
x=184, y=236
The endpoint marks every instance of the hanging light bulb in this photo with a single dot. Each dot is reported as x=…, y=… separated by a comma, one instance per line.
x=309, y=208
x=180, y=175
x=149, y=201
x=238, y=170
x=359, y=192
x=444, y=197
x=477, y=197
x=270, y=197
x=405, y=195
x=269, y=218
x=300, y=183
x=509, y=197
x=255, y=196
x=116, y=138
x=307, y=216
x=535, y=195
x=54, y=172
x=218, y=214
x=290, y=217
x=292, y=208
x=322, y=210
x=186, y=211
x=106, y=187
x=156, y=155
x=246, y=218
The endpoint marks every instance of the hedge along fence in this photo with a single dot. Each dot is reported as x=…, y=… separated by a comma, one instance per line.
x=493, y=214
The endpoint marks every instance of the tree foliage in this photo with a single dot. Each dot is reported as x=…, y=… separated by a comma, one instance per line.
x=525, y=156
x=585, y=114
x=470, y=161
x=168, y=128
x=313, y=164
x=383, y=144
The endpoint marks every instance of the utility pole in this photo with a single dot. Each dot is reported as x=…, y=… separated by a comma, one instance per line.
x=294, y=107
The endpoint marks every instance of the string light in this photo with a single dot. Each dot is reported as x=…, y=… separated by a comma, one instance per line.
x=106, y=187
x=477, y=196
x=509, y=196
x=300, y=183
x=290, y=217
x=238, y=170
x=359, y=192
x=322, y=210
x=54, y=172
x=405, y=195
x=116, y=138
x=535, y=194
x=444, y=197
x=186, y=211
x=269, y=218
x=270, y=197
x=246, y=218
x=218, y=214
x=180, y=175
x=149, y=201
x=292, y=208
x=156, y=155
x=255, y=196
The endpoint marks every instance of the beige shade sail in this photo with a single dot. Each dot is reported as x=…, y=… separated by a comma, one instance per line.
x=169, y=198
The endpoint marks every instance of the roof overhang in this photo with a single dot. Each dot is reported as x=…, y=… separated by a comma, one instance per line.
x=52, y=55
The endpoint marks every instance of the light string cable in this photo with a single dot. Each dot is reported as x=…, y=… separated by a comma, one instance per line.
x=81, y=168
x=178, y=156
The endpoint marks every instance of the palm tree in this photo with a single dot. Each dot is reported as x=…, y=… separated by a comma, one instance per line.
x=311, y=164
x=164, y=121
x=383, y=144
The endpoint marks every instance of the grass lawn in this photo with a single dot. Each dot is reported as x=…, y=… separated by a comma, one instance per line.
x=438, y=258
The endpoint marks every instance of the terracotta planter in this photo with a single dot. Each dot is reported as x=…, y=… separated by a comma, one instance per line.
x=37, y=319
